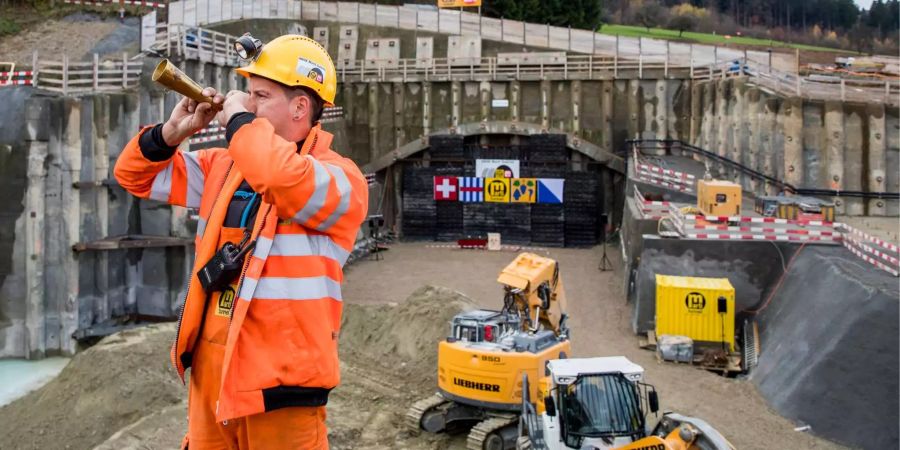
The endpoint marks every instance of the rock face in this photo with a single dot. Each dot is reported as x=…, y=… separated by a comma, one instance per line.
x=829, y=348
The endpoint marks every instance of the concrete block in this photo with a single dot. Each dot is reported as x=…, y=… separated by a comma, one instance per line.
x=424, y=52
x=877, y=163
x=463, y=50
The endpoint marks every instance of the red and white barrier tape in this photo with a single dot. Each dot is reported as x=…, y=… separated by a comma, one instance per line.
x=21, y=73
x=127, y=2
x=666, y=178
x=640, y=198
x=762, y=237
x=204, y=139
x=867, y=237
x=762, y=230
x=873, y=251
x=663, y=184
x=871, y=260
x=665, y=172
x=27, y=81
x=813, y=223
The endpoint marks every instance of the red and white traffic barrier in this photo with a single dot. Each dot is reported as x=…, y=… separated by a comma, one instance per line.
x=762, y=230
x=666, y=178
x=871, y=260
x=205, y=139
x=762, y=237
x=665, y=172
x=813, y=223
x=875, y=240
x=664, y=184
x=640, y=197
x=26, y=77
x=873, y=251
x=107, y=2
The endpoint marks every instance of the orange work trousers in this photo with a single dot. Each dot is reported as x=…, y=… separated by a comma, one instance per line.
x=294, y=428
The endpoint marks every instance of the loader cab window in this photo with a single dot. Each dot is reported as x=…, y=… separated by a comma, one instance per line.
x=597, y=406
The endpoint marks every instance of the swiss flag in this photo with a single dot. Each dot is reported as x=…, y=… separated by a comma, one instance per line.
x=446, y=188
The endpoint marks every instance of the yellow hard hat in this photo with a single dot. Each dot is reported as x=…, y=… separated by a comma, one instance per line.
x=295, y=60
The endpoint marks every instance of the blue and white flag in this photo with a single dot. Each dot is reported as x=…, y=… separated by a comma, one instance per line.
x=471, y=189
x=550, y=190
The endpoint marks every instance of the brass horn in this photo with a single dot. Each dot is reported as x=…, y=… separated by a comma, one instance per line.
x=173, y=78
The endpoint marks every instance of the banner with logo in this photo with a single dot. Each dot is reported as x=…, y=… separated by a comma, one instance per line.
x=496, y=190
x=497, y=168
x=523, y=190
x=458, y=3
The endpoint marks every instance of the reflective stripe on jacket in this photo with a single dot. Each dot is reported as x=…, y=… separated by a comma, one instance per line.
x=282, y=342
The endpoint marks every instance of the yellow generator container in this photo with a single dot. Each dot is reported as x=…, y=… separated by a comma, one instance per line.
x=699, y=308
x=719, y=198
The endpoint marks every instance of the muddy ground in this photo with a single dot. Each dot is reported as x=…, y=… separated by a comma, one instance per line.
x=122, y=394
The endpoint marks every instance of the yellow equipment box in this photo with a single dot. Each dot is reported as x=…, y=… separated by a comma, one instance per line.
x=699, y=308
x=719, y=198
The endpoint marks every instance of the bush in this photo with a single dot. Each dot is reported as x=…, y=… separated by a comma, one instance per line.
x=8, y=26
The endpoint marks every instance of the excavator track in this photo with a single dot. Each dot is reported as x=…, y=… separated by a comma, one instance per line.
x=418, y=409
x=481, y=431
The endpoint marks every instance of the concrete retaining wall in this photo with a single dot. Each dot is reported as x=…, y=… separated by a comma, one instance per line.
x=808, y=143
x=47, y=290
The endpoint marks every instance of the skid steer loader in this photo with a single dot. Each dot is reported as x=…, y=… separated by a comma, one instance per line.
x=601, y=403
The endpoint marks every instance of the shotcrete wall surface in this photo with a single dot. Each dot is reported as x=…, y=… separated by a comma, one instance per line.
x=829, y=348
x=752, y=267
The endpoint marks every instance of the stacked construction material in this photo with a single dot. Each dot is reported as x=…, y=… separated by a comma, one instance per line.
x=419, y=209
x=494, y=152
x=547, y=219
x=447, y=146
x=449, y=226
x=547, y=148
x=511, y=220
x=582, y=211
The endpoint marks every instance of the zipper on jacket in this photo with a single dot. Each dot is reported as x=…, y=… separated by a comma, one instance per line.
x=240, y=284
x=188, y=292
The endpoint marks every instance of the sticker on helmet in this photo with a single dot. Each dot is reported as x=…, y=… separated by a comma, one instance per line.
x=310, y=69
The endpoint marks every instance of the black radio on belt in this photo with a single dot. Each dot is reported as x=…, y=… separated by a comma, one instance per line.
x=225, y=265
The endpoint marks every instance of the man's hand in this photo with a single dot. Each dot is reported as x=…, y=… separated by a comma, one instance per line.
x=189, y=117
x=235, y=102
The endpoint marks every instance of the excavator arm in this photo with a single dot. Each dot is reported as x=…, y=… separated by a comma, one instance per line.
x=535, y=291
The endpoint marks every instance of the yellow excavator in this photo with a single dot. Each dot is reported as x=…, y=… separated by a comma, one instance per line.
x=485, y=364
x=482, y=362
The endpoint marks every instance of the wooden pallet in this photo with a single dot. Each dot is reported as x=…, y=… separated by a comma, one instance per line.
x=732, y=366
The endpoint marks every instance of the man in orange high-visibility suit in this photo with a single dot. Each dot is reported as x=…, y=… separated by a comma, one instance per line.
x=279, y=215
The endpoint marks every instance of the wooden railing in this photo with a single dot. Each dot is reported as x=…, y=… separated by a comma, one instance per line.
x=73, y=77
x=454, y=22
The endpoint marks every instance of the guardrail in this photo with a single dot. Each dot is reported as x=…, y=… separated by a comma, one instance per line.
x=881, y=254
x=70, y=77
x=669, y=145
x=196, y=43
x=454, y=22
x=149, y=4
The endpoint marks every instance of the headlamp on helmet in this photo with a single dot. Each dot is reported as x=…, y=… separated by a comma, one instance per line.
x=248, y=47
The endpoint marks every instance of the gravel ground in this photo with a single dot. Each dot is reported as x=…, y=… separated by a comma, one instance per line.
x=599, y=318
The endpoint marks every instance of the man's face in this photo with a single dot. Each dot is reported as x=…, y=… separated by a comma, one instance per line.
x=269, y=100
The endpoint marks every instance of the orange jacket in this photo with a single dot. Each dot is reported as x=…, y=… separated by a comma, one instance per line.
x=282, y=341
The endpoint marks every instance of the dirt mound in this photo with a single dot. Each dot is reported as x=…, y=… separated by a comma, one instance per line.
x=123, y=378
x=403, y=336
x=123, y=394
